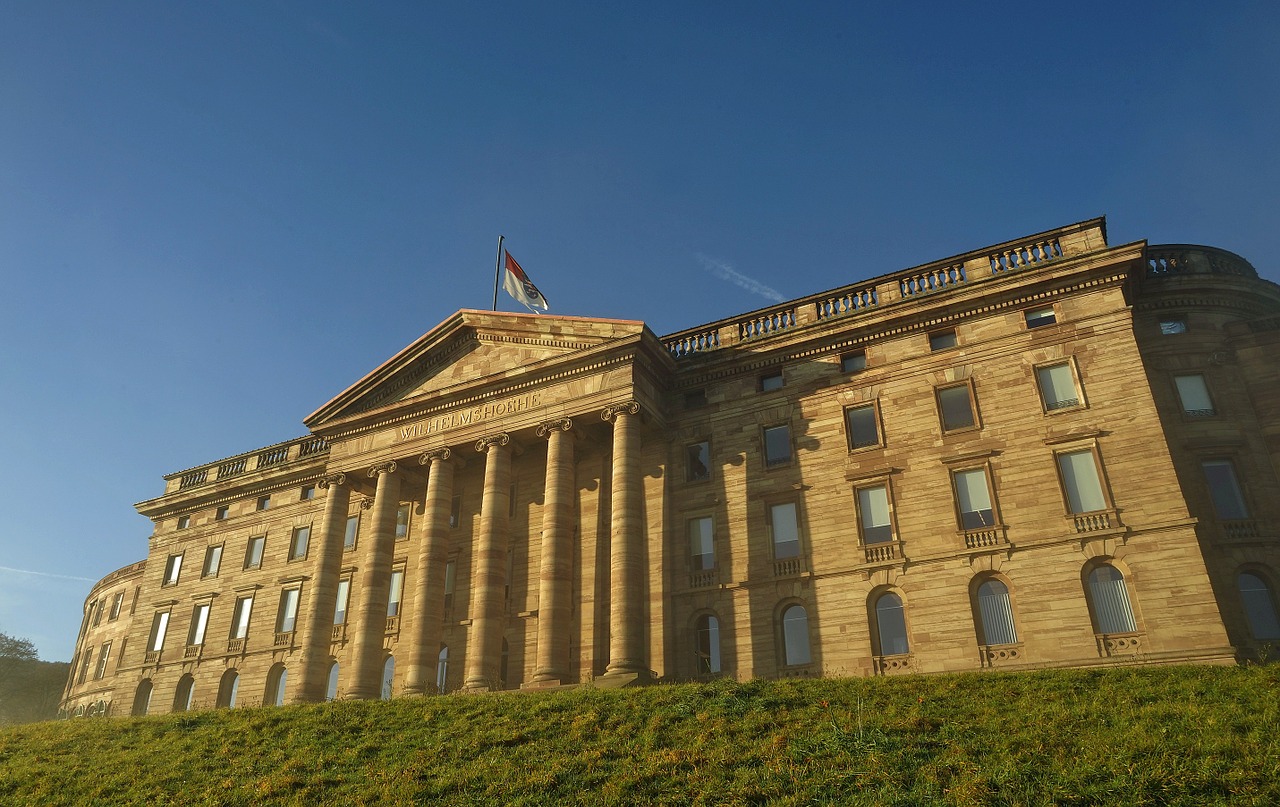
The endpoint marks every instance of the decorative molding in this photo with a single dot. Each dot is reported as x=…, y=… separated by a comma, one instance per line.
x=560, y=424
x=332, y=479
x=383, y=468
x=613, y=410
x=499, y=439
x=440, y=454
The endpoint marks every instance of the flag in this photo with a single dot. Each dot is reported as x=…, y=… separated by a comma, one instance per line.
x=518, y=285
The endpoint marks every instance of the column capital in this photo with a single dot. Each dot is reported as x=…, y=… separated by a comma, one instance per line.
x=435, y=454
x=383, y=468
x=613, y=410
x=332, y=479
x=499, y=439
x=366, y=503
x=559, y=424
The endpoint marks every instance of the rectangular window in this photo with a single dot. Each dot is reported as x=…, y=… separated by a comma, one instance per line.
x=97, y=608
x=455, y=511
x=702, y=543
x=184, y=522
x=955, y=406
x=222, y=512
x=973, y=498
x=298, y=543
x=117, y=603
x=172, y=569
x=199, y=622
x=264, y=502
x=240, y=617
x=771, y=381
x=340, y=606
x=159, y=625
x=253, y=554
x=1080, y=478
x=1224, y=488
x=1039, y=317
x=1194, y=394
x=450, y=575
x=862, y=426
x=308, y=492
x=287, y=616
x=873, y=514
x=1172, y=325
x=105, y=657
x=698, y=462
x=85, y=666
x=941, y=340
x=1057, y=386
x=777, y=445
x=212, y=561
x=786, y=530
x=353, y=528
x=402, y=522
x=393, y=595
x=855, y=361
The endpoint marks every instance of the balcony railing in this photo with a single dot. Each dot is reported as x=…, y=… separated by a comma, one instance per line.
x=269, y=457
x=235, y=646
x=704, y=578
x=1095, y=521
x=151, y=657
x=994, y=655
x=883, y=552
x=788, y=567
x=1176, y=260
x=284, y=638
x=193, y=651
x=985, y=537
x=393, y=624
x=1118, y=644
x=1240, y=529
x=892, y=665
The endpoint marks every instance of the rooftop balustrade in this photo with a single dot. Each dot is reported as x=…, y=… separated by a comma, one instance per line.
x=272, y=456
x=1174, y=260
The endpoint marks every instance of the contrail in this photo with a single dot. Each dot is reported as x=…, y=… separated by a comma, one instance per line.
x=724, y=271
x=47, y=574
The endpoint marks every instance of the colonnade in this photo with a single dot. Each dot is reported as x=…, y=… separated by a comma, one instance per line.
x=628, y=657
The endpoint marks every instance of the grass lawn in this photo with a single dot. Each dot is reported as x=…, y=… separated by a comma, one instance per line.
x=1170, y=735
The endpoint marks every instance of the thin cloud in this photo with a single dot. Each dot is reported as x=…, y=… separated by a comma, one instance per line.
x=724, y=271
x=47, y=574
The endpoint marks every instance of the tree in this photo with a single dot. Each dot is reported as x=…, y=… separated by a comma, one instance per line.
x=29, y=688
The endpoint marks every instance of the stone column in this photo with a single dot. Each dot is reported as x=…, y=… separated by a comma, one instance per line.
x=627, y=655
x=317, y=620
x=433, y=556
x=488, y=601
x=375, y=578
x=554, y=584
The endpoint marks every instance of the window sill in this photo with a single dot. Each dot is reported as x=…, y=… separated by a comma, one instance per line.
x=1119, y=644
x=893, y=665
x=883, y=552
x=997, y=655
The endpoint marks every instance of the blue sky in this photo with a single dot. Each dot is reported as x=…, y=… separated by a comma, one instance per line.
x=216, y=216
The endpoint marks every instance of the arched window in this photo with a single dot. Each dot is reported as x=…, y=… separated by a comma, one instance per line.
x=388, y=677
x=706, y=637
x=795, y=636
x=1112, y=612
x=442, y=668
x=331, y=690
x=891, y=626
x=228, y=687
x=1259, y=607
x=142, y=698
x=995, y=614
x=277, y=679
x=186, y=691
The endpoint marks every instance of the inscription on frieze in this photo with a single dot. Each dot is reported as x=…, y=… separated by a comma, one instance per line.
x=469, y=416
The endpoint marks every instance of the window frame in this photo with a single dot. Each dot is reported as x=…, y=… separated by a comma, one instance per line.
x=1239, y=492
x=298, y=549
x=263, y=503
x=1065, y=405
x=980, y=620
x=287, y=610
x=771, y=381
x=172, y=570
x=159, y=631
x=1027, y=312
x=1108, y=503
x=769, y=507
x=857, y=356
x=212, y=552
x=697, y=562
x=873, y=483
x=874, y=406
x=199, y=628
x=1172, y=325
x=222, y=512
x=972, y=399
x=785, y=654
x=307, y=493
x=1195, y=414
x=877, y=625
x=401, y=529
x=353, y=534
x=260, y=541
x=1265, y=596
x=988, y=480
x=1095, y=612
x=395, y=594
x=117, y=605
x=949, y=336
x=708, y=656
x=770, y=464
x=241, y=615
x=689, y=476
x=184, y=522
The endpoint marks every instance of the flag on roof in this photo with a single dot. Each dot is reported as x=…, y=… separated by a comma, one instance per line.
x=518, y=285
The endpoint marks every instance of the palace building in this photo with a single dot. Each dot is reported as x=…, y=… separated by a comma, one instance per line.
x=1052, y=452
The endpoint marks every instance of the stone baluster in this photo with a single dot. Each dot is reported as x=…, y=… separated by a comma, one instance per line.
x=317, y=625
x=433, y=557
x=488, y=600
x=555, y=564
x=627, y=655
x=375, y=578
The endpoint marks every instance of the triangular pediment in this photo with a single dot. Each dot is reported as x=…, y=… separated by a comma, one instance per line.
x=469, y=348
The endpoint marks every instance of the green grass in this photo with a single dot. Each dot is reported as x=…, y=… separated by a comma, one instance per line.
x=1174, y=735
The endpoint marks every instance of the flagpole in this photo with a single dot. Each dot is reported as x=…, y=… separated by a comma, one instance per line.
x=497, y=273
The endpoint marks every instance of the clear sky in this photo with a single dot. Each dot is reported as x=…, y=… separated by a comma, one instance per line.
x=216, y=216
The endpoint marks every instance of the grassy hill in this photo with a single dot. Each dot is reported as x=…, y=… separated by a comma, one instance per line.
x=1178, y=735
